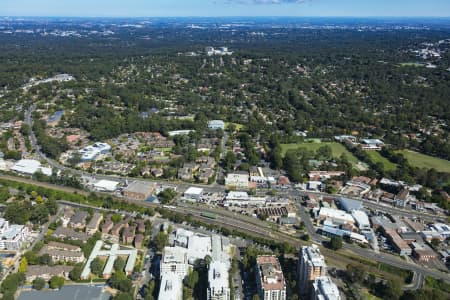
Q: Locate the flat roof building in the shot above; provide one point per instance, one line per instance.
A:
(139, 190)
(106, 185)
(423, 253)
(193, 194)
(29, 167)
(337, 216)
(216, 124)
(171, 287)
(362, 220)
(218, 288)
(270, 279)
(174, 260)
(237, 180)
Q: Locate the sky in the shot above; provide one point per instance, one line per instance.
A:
(214, 8)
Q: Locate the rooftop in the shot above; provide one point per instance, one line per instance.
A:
(68, 292)
(139, 187)
(325, 289)
(271, 274)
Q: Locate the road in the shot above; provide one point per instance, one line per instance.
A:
(242, 224)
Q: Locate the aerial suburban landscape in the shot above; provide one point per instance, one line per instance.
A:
(214, 154)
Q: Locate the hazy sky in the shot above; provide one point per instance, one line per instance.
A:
(161, 8)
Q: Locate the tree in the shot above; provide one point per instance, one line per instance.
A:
(336, 243)
(161, 240)
(435, 242)
(97, 266)
(75, 273)
(355, 273)
(123, 296)
(394, 289)
(56, 282)
(39, 283)
(39, 215)
(119, 264)
(23, 265)
(229, 161)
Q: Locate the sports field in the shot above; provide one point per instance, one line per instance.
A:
(336, 148)
(376, 157)
(420, 160)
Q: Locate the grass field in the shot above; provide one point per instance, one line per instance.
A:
(238, 126)
(420, 160)
(336, 148)
(411, 64)
(376, 157)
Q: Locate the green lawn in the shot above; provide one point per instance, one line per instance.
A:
(336, 148)
(411, 64)
(376, 157)
(237, 125)
(420, 160)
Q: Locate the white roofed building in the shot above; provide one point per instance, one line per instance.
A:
(171, 287)
(193, 194)
(325, 289)
(237, 180)
(106, 185)
(30, 166)
(361, 219)
(337, 216)
(12, 236)
(174, 260)
(218, 288)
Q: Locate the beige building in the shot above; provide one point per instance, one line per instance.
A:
(270, 279)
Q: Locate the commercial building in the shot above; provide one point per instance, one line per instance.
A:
(361, 219)
(106, 185)
(216, 124)
(423, 253)
(356, 237)
(92, 152)
(243, 199)
(397, 242)
(12, 236)
(111, 253)
(171, 287)
(29, 167)
(270, 279)
(237, 180)
(139, 190)
(349, 204)
(324, 289)
(311, 264)
(218, 284)
(337, 216)
(193, 194)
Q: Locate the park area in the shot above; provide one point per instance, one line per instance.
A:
(375, 157)
(336, 148)
(420, 160)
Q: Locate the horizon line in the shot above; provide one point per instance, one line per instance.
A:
(230, 16)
